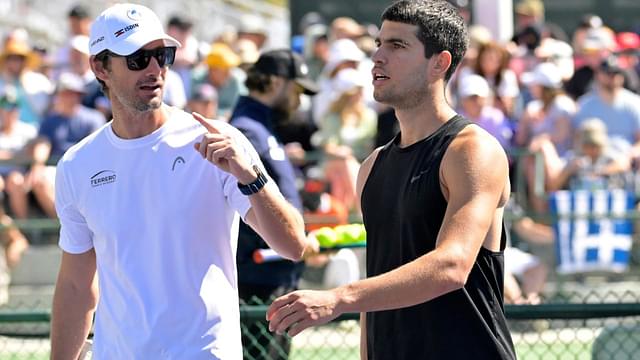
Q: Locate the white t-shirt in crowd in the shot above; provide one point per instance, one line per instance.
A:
(163, 222)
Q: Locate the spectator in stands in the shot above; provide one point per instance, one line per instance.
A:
(187, 56)
(79, 22)
(525, 277)
(204, 101)
(248, 53)
(475, 99)
(254, 28)
(551, 111)
(16, 144)
(345, 27)
(223, 73)
(492, 63)
(14, 133)
(316, 49)
(546, 123)
(78, 53)
(596, 47)
(588, 22)
(17, 61)
(594, 165)
(275, 84)
(628, 51)
(616, 106)
(343, 54)
(69, 121)
(346, 135)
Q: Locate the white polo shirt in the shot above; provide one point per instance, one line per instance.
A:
(164, 223)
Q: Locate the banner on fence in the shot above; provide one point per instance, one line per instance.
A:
(593, 232)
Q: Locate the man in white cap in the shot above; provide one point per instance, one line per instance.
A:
(150, 202)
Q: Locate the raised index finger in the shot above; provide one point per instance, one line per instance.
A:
(207, 123)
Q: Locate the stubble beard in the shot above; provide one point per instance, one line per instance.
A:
(410, 98)
(140, 104)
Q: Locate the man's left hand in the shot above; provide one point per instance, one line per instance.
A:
(221, 150)
(301, 309)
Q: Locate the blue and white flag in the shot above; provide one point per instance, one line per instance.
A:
(592, 233)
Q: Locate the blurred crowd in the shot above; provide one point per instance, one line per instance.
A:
(570, 100)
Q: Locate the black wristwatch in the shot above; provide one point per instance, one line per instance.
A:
(256, 185)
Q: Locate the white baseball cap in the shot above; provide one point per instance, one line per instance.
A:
(545, 74)
(473, 84)
(125, 28)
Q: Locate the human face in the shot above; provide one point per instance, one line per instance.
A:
(140, 90)
(609, 81)
(218, 77)
(400, 70)
(490, 62)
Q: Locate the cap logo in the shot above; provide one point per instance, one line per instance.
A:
(134, 14)
(125, 29)
(101, 38)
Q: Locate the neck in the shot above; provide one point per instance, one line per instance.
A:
(264, 98)
(128, 124)
(418, 122)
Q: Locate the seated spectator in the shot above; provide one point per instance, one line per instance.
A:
(67, 123)
(475, 96)
(616, 106)
(343, 54)
(594, 164)
(550, 113)
(525, 277)
(17, 61)
(346, 134)
(14, 133)
(204, 101)
(224, 74)
(546, 119)
(492, 63)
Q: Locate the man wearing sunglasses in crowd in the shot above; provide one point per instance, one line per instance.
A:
(149, 205)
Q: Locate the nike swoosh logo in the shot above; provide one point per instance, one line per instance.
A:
(416, 177)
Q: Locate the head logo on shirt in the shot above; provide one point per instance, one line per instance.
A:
(103, 177)
(178, 160)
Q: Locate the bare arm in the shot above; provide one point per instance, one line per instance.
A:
(271, 215)
(363, 336)
(474, 176)
(278, 222)
(74, 302)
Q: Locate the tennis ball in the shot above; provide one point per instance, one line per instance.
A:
(351, 234)
(326, 237)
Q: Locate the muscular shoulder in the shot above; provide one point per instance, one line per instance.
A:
(476, 161)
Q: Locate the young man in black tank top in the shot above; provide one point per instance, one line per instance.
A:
(432, 201)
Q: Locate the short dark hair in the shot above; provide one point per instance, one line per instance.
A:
(103, 57)
(440, 27)
(78, 12)
(180, 22)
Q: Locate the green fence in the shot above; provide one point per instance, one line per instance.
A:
(570, 325)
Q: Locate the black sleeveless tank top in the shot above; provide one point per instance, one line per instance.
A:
(403, 207)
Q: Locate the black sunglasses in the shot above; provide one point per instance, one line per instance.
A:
(140, 59)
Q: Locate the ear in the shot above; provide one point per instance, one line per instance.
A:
(440, 63)
(100, 71)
